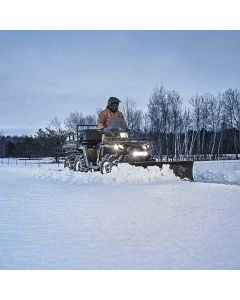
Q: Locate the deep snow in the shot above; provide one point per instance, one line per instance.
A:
(51, 218)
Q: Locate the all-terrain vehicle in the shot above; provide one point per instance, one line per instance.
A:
(86, 151)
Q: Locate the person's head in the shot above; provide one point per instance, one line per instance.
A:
(113, 104)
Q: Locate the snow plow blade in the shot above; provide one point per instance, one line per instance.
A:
(182, 169)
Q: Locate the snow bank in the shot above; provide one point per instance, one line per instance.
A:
(227, 172)
(121, 174)
(124, 173)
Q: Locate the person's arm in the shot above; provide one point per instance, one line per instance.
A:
(101, 120)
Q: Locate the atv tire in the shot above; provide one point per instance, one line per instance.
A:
(106, 167)
(80, 164)
(68, 164)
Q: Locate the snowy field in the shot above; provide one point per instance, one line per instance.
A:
(52, 218)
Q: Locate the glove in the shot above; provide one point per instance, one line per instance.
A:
(107, 132)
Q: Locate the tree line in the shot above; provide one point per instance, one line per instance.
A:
(208, 127)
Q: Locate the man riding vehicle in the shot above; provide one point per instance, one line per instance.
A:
(107, 114)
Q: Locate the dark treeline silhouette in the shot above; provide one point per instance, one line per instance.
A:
(208, 129)
(46, 142)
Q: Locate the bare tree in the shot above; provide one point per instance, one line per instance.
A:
(175, 119)
(78, 118)
(197, 103)
(186, 130)
(155, 108)
(146, 127)
(158, 111)
(231, 106)
(132, 115)
(215, 110)
(1, 143)
(90, 120)
(56, 125)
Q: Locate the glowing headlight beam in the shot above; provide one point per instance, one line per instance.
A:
(123, 135)
(140, 153)
(118, 146)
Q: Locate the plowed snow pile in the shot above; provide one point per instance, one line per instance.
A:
(226, 172)
(120, 174)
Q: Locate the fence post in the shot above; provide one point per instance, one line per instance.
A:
(38, 163)
(25, 162)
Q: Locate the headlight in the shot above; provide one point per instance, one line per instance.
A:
(140, 153)
(145, 147)
(123, 135)
(118, 146)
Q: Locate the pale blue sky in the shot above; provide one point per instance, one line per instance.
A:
(52, 73)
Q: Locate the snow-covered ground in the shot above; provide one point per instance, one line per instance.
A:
(227, 172)
(51, 218)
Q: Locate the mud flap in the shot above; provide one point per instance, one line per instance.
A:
(182, 169)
